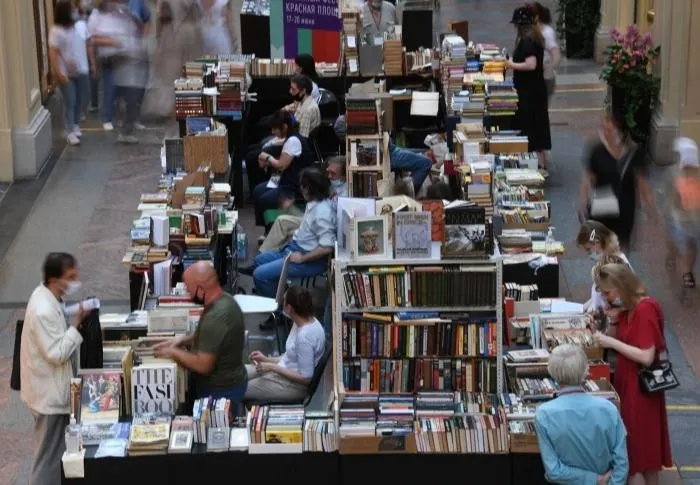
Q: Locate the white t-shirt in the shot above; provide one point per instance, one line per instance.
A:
(550, 42)
(80, 47)
(292, 146)
(598, 301)
(315, 92)
(105, 25)
(62, 39)
(304, 348)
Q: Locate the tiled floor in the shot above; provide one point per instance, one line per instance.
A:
(85, 205)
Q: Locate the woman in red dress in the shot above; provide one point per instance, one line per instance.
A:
(638, 339)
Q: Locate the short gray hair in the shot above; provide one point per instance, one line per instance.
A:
(568, 365)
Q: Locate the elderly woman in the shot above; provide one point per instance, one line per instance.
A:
(581, 437)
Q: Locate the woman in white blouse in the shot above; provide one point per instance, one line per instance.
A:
(552, 54)
(287, 378)
(602, 246)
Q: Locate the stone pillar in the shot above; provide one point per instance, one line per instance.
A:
(25, 125)
(675, 27)
(236, 6)
(690, 102)
(614, 14)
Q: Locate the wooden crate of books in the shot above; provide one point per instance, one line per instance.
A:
(583, 337)
(370, 445)
(206, 151)
(508, 147)
(524, 443)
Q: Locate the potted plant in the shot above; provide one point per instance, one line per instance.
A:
(577, 22)
(633, 86)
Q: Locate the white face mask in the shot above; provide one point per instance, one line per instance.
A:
(73, 287)
(377, 4)
(596, 256)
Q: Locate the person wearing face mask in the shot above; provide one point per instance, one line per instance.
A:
(306, 112)
(602, 247)
(286, 378)
(284, 226)
(638, 339)
(378, 18)
(214, 352)
(49, 343)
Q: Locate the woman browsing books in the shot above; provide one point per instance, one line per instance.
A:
(638, 339)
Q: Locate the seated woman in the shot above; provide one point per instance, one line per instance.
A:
(294, 157)
(602, 246)
(286, 378)
(310, 245)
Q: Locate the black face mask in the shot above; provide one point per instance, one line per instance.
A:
(298, 97)
(198, 300)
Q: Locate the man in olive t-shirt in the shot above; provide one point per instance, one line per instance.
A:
(216, 355)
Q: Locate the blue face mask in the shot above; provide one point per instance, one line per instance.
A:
(617, 303)
(337, 184)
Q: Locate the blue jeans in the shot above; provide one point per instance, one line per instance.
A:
(419, 165)
(268, 268)
(109, 93)
(94, 91)
(264, 199)
(234, 395)
(73, 92)
(132, 99)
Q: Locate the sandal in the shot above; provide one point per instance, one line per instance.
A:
(688, 280)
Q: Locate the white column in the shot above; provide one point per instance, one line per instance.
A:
(690, 97)
(28, 122)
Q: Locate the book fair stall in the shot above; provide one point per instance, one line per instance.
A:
(441, 326)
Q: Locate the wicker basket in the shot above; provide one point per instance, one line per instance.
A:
(206, 151)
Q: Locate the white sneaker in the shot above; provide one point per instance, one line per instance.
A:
(127, 139)
(73, 139)
(108, 126)
(139, 126)
(77, 132)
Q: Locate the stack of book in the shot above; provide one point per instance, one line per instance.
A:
(454, 51)
(432, 404)
(320, 433)
(488, 52)
(194, 70)
(272, 67)
(393, 57)
(420, 60)
(358, 415)
(181, 435)
(276, 424)
(351, 31)
(149, 435)
(362, 117)
(229, 101)
(502, 99)
(219, 193)
(480, 187)
(395, 415)
(195, 198)
(188, 97)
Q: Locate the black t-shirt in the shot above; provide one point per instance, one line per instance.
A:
(609, 172)
(528, 47)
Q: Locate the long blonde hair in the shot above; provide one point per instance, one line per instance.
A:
(621, 278)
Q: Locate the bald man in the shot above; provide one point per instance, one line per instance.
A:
(215, 355)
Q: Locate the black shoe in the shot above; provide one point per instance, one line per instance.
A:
(268, 324)
(246, 270)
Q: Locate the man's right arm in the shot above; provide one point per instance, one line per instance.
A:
(555, 470)
(56, 343)
(620, 462)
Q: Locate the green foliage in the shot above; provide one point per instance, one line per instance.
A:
(628, 62)
(578, 17)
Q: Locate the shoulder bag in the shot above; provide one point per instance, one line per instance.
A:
(658, 377)
(604, 203)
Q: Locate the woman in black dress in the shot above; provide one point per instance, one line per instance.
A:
(528, 76)
(616, 167)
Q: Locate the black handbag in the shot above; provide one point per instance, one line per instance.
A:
(658, 377)
(15, 381)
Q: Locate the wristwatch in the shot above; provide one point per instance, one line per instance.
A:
(267, 158)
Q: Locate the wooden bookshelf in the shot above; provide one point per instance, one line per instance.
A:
(475, 351)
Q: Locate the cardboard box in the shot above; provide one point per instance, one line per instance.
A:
(382, 445)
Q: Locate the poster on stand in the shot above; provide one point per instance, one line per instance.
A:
(305, 27)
